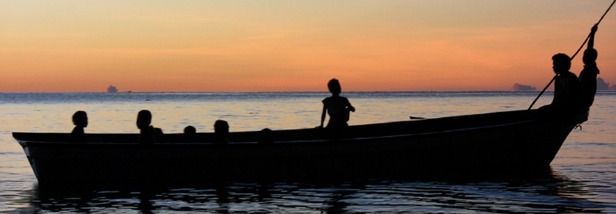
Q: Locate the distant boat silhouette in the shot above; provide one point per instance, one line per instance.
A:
(112, 89)
(522, 87)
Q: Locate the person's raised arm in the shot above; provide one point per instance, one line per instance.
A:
(590, 54)
(591, 40)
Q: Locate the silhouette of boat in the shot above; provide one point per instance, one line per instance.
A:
(490, 142)
(112, 89)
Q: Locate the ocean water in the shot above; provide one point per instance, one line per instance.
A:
(582, 177)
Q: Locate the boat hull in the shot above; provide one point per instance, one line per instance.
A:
(493, 148)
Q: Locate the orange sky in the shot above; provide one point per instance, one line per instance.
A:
(83, 46)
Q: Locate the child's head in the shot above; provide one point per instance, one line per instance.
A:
(334, 86)
(80, 118)
(144, 118)
(561, 63)
(190, 130)
(221, 127)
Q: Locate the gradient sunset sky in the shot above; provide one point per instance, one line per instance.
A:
(194, 46)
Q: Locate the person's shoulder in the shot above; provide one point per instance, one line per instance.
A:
(77, 131)
(572, 80)
(570, 74)
(343, 99)
(590, 68)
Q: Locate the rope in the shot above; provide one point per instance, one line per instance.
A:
(588, 37)
(575, 54)
(546, 88)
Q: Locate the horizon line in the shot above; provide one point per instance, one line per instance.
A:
(299, 91)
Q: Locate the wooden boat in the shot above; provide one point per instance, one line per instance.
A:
(490, 142)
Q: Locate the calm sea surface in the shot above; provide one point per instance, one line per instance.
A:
(582, 179)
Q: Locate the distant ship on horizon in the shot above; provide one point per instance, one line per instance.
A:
(112, 89)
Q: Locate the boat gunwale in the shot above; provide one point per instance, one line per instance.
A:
(281, 142)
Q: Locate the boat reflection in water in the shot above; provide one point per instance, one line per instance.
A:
(538, 192)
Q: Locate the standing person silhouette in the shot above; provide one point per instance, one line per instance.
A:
(588, 76)
(337, 107)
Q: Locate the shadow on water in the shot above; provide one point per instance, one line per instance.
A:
(537, 192)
